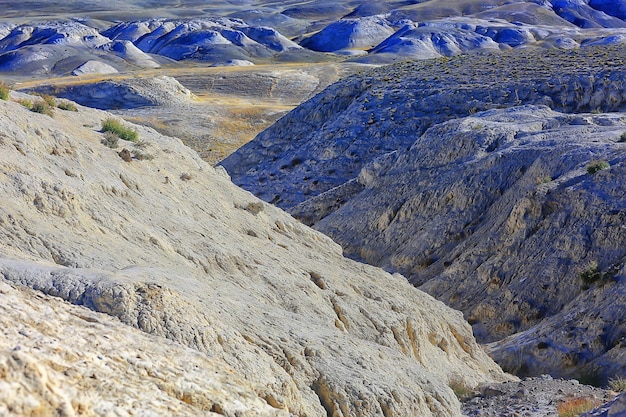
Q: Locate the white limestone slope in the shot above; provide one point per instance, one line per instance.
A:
(169, 245)
(60, 359)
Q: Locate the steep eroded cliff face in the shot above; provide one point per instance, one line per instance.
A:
(492, 182)
(149, 233)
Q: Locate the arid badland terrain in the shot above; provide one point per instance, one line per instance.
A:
(430, 220)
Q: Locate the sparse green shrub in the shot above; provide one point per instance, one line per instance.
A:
(591, 274)
(113, 126)
(617, 384)
(37, 106)
(42, 107)
(26, 103)
(48, 99)
(4, 91)
(599, 165)
(622, 138)
(67, 106)
(110, 140)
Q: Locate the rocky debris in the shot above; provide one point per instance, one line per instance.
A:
(61, 359)
(530, 397)
(126, 93)
(168, 245)
(508, 215)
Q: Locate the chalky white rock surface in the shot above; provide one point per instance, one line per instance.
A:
(168, 245)
(61, 359)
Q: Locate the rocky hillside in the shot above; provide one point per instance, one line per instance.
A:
(326, 141)
(512, 215)
(150, 234)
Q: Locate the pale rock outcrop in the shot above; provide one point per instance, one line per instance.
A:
(218, 40)
(363, 33)
(589, 13)
(615, 8)
(60, 359)
(168, 245)
(94, 67)
(125, 93)
(129, 52)
(60, 47)
(433, 41)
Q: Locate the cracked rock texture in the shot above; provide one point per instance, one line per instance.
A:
(60, 359)
(168, 245)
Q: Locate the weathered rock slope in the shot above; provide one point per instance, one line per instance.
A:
(168, 245)
(495, 213)
(60, 359)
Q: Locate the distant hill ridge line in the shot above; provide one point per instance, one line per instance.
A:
(389, 35)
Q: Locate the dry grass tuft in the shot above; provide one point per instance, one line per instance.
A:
(617, 384)
(4, 91)
(572, 407)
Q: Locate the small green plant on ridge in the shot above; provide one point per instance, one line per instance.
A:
(37, 106)
(595, 166)
(123, 132)
(4, 91)
(67, 106)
